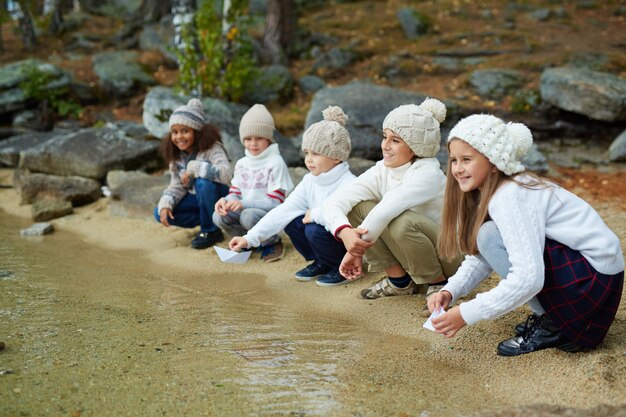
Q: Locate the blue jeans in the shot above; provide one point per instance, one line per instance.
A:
(197, 209)
(314, 242)
(492, 252)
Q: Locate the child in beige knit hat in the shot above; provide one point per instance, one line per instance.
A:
(326, 145)
(260, 183)
(390, 214)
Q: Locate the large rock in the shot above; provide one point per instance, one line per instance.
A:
(366, 105)
(273, 84)
(496, 83)
(134, 193)
(77, 190)
(89, 153)
(11, 75)
(159, 37)
(10, 149)
(598, 95)
(120, 74)
(617, 150)
(160, 102)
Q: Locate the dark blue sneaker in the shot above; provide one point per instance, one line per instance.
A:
(330, 279)
(311, 271)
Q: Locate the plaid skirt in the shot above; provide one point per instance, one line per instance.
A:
(578, 299)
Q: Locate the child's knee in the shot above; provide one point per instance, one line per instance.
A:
(488, 235)
(250, 217)
(157, 215)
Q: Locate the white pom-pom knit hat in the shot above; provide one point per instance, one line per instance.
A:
(504, 144)
(418, 126)
(190, 115)
(329, 137)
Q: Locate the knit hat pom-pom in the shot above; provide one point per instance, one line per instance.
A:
(522, 136)
(335, 114)
(436, 107)
(195, 104)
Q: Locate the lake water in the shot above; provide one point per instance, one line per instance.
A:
(94, 332)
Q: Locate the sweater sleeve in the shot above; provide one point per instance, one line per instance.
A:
(522, 227)
(174, 192)
(423, 185)
(279, 217)
(213, 165)
(336, 208)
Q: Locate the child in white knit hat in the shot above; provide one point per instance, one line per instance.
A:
(326, 145)
(551, 249)
(200, 174)
(390, 214)
(260, 183)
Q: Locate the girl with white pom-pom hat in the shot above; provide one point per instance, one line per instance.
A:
(551, 248)
(327, 146)
(390, 214)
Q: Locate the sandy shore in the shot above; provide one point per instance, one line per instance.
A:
(548, 377)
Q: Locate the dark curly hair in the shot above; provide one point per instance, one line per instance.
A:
(204, 139)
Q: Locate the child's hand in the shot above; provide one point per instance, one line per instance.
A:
(234, 205)
(164, 215)
(351, 266)
(449, 323)
(441, 299)
(185, 179)
(307, 217)
(220, 207)
(238, 243)
(351, 239)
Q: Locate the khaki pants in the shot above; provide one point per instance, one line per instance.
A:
(409, 240)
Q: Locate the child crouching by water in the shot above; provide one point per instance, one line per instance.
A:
(200, 174)
(551, 248)
(260, 183)
(326, 145)
(390, 214)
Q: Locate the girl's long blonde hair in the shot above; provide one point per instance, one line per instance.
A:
(465, 212)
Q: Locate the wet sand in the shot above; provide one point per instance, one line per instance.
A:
(142, 325)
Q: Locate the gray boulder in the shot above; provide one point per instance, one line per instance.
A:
(135, 194)
(160, 102)
(37, 229)
(311, 83)
(598, 95)
(50, 208)
(77, 190)
(334, 60)
(159, 37)
(120, 74)
(413, 23)
(273, 84)
(10, 149)
(617, 150)
(366, 105)
(496, 83)
(89, 153)
(11, 75)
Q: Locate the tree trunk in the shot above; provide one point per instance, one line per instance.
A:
(280, 29)
(183, 16)
(4, 16)
(25, 23)
(153, 10)
(55, 9)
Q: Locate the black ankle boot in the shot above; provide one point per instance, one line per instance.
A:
(538, 333)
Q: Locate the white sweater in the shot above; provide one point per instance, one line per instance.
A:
(417, 186)
(525, 218)
(309, 194)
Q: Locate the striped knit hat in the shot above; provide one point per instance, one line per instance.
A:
(190, 115)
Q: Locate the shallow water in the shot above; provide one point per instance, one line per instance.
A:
(100, 332)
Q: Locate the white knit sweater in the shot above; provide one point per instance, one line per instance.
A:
(525, 218)
(308, 195)
(417, 186)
